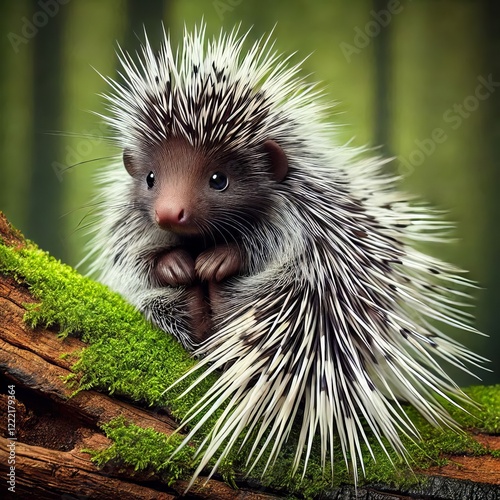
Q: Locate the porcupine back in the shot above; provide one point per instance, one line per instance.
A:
(335, 322)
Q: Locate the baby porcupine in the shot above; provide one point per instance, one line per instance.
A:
(284, 260)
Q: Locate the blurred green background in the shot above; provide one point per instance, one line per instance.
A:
(417, 78)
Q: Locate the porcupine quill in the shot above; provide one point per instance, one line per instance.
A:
(281, 259)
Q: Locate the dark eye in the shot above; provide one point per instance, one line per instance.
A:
(150, 179)
(219, 181)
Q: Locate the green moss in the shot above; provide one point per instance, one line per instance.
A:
(485, 418)
(126, 355)
(129, 357)
(144, 450)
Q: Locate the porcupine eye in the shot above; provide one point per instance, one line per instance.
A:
(219, 181)
(150, 180)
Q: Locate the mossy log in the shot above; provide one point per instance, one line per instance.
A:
(85, 414)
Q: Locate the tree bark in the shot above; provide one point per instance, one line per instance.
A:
(52, 427)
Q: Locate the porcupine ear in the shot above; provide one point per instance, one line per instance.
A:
(128, 161)
(277, 160)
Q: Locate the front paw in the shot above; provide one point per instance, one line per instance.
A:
(175, 268)
(219, 263)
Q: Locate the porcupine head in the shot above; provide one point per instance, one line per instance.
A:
(205, 197)
(238, 206)
(204, 170)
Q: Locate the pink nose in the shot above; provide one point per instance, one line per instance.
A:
(167, 216)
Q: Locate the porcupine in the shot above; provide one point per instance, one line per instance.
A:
(284, 260)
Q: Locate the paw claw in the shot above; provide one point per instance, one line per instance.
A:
(219, 263)
(175, 268)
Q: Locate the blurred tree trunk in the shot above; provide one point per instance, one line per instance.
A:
(149, 16)
(44, 199)
(383, 81)
(489, 171)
